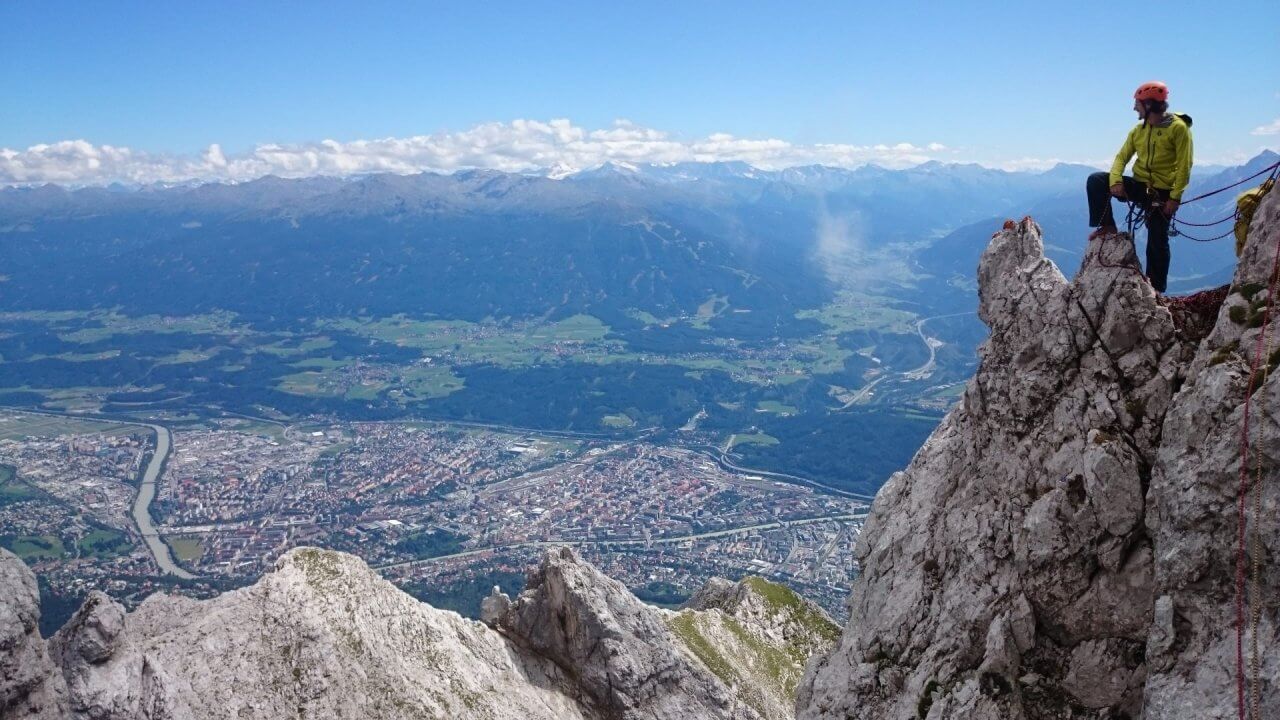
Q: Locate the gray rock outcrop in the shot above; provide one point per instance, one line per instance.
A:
(324, 636)
(1063, 545)
(321, 636)
(30, 685)
(757, 636)
(1192, 506)
(618, 651)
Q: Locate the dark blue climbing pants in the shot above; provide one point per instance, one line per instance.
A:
(1098, 189)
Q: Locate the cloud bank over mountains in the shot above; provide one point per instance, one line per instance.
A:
(557, 148)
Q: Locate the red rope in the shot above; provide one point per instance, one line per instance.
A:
(1244, 483)
(1263, 171)
(1178, 233)
(1232, 216)
(1202, 301)
(1174, 223)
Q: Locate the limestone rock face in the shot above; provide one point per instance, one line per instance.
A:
(321, 636)
(89, 640)
(325, 636)
(1063, 545)
(618, 651)
(1192, 510)
(30, 685)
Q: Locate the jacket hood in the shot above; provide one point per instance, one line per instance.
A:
(1169, 117)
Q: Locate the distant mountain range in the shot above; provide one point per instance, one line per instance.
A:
(484, 244)
(487, 244)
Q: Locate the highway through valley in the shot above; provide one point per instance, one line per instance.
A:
(630, 542)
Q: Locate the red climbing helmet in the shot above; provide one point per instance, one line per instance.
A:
(1154, 90)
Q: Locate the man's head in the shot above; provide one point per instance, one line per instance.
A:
(1151, 98)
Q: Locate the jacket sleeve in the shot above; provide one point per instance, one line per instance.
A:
(1182, 172)
(1122, 159)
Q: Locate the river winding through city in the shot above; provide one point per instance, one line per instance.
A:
(141, 509)
(142, 505)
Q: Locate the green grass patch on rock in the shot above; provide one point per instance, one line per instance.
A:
(685, 626)
(783, 599)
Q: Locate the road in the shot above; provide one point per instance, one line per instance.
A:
(933, 344)
(141, 509)
(919, 373)
(655, 541)
(724, 462)
(517, 430)
(863, 392)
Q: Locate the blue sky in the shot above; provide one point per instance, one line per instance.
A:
(993, 84)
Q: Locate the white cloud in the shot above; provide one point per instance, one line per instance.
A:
(517, 146)
(1271, 128)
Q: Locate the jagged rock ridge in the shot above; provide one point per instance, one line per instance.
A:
(324, 636)
(1063, 546)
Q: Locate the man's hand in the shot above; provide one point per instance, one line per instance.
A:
(1170, 207)
(1117, 191)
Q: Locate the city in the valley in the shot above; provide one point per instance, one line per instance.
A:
(444, 510)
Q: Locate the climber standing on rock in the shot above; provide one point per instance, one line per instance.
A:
(1162, 142)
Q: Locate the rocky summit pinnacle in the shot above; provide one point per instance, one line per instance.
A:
(323, 636)
(1064, 544)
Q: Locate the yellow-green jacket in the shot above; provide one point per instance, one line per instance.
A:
(1164, 154)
